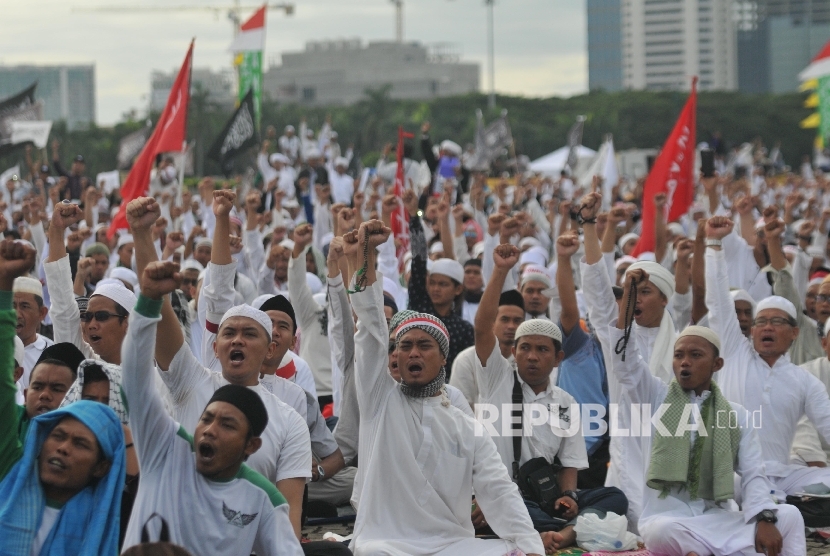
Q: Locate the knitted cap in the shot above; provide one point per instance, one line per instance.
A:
(702, 332)
(539, 327)
(429, 324)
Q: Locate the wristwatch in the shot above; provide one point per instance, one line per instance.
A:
(572, 495)
(320, 472)
(768, 516)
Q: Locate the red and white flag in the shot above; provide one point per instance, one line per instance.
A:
(672, 174)
(251, 34)
(400, 220)
(168, 136)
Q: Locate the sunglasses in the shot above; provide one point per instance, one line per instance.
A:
(392, 346)
(100, 316)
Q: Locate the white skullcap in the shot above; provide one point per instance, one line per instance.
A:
(436, 247)
(314, 282)
(249, 312)
(626, 238)
(535, 256)
(777, 302)
(19, 351)
(539, 327)
(24, 284)
(333, 134)
(815, 281)
(451, 147)
(529, 242)
(289, 128)
(625, 259)
(125, 274)
(536, 273)
(124, 240)
(341, 161)
(192, 264)
(279, 157)
(647, 256)
(743, 295)
(448, 267)
(701, 332)
(313, 153)
(676, 229)
(291, 202)
(204, 242)
(657, 275)
(791, 249)
(478, 249)
(287, 243)
(118, 292)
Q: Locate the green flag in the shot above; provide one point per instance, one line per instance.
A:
(249, 71)
(824, 107)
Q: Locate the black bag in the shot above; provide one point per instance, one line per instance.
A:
(538, 480)
(816, 511)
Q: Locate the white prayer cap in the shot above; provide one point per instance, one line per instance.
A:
(625, 259)
(313, 153)
(288, 243)
(527, 242)
(478, 249)
(436, 247)
(333, 134)
(448, 267)
(536, 273)
(125, 274)
(341, 161)
(539, 327)
(314, 283)
(289, 128)
(815, 281)
(249, 312)
(815, 251)
(19, 351)
(657, 275)
(24, 284)
(98, 228)
(291, 202)
(204, 242)
(534, 255)
(124, 240)
(701, 332)
(676, 229)
(309, 133)
(451, 147)
(192, 264)
(791, 249)
(743, 295)
(647, 256)
(278, 157)
(777, 302)
(117, 291)
(626, 238)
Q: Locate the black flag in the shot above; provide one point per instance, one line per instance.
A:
(239, 134)
(130, 145)
(17, 102)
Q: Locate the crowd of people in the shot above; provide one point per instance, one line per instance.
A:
(250, 354)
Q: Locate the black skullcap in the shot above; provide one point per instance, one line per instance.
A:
(618, 292)
(280, 303)
(245, 400)
(512, 297)
(473, 262)
(65, 352)
(388, 301)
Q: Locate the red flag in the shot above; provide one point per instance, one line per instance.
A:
(400, 221)
(168, 136)
(672, 174)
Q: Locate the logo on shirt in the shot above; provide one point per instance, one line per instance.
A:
(237, 519)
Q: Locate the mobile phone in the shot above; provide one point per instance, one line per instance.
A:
(707, 162)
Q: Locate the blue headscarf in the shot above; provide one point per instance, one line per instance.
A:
(88, 524)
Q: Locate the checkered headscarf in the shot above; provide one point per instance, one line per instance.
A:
(429, 324)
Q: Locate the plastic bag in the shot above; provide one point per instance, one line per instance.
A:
(609, 533)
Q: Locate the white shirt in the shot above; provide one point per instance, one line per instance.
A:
(50, 516)
(744, 272)
(783, 392)
(342, 187)
(428, 456)
(561, 434)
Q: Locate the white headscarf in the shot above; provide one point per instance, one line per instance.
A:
(662, 353)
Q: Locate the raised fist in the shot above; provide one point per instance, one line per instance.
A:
(142, 213)
(160, 278)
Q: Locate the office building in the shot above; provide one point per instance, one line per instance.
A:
(218, 85)
(67, 91)
(339, 72)
(605, 45)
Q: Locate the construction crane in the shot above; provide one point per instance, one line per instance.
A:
(398, 20)
(233, 11)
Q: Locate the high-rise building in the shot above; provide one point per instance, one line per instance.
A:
(67, 91)
(339, 72)
(605, 69)
(666, 42)
(217, 84)
(776, 40)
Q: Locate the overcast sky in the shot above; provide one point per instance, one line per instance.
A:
(540, 44)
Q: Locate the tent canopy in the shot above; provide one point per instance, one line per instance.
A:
(552, 164)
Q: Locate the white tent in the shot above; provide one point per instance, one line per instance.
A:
(553, 163)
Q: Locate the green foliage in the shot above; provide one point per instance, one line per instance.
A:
(637, 119)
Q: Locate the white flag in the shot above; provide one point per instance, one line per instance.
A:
(604, 165)
(35, 131)
(108, 181)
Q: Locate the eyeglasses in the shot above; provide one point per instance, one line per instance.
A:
(392, 346)
(775, 321)
(822, 298)
(100, 316)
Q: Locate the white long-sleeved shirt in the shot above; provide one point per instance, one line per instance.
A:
(243, 515)
(66, 317)
(428, 455)
(744, 272)
(782, 392)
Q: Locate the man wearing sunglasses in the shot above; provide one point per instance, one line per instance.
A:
(100, 330)
(758, 373)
